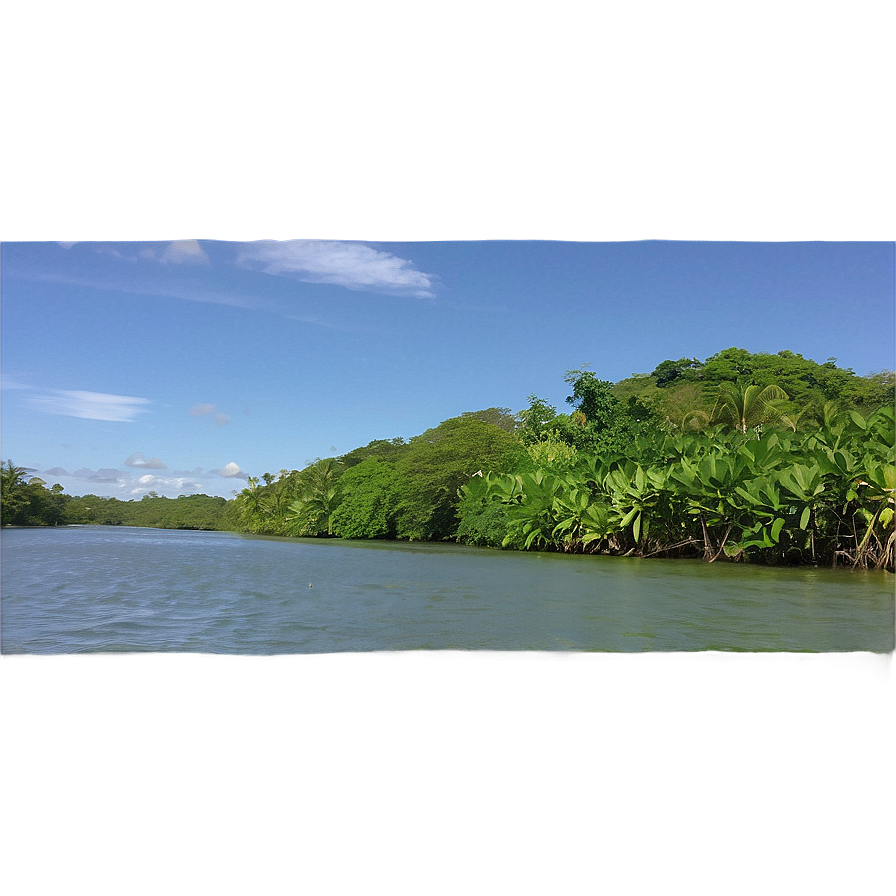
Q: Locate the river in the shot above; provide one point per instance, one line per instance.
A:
(192, 712)
(83, 589)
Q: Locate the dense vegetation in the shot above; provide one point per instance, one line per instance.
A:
(766, 458)
(28, 502)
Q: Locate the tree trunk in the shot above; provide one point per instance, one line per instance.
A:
(707, 541)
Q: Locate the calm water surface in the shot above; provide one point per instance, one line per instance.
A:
(125, 589)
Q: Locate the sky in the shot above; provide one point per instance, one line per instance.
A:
(225, 355)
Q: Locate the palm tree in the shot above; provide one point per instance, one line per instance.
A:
(749, 407)
(319, 497)
(11, 477)
(12, 494)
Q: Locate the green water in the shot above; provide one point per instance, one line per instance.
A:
(126, 589)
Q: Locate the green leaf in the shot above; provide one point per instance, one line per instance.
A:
(804, 519)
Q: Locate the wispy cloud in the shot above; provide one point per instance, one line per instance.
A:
(352, 265)
(7, 383)
(90, 405)
(139, 461)
(184, 252)
(210, 410)
(149, 288)
(104, 474)
(177, 252)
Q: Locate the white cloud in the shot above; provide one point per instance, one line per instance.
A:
(108, 482)
(352, 265)
(150, 483)
(66, 245)
(230, 471)
(91, 405)
(221, 419)
(139, 460)
(184, 252)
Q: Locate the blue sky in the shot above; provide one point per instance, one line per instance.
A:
(206, 210)
(182, 367)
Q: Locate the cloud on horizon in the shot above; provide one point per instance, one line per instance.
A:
(230, 471)
(184, 252)
(108, 482)
(104, 474)
(139, 460)
(176, 252)
(90, 405)
(352, 265)
(149, 483)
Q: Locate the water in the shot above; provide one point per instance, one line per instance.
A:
(125, 589)
(438, 720)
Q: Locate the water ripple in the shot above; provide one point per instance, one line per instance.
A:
(130, 590)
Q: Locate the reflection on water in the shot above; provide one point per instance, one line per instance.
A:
(447, 773)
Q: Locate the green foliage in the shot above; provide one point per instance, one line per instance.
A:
(552, 453)
(533, 421)
(389, 489)
(370, 491)
(383, 449)
(483, 521)
(748, 407)
(26, 501)
(683, 370)
(593, 398)
(503, 418)
(775, 496)
(808, 384)
(312, 512)
(438, 462)
(183, 512)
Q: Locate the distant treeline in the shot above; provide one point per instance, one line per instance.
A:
(29, 502)
(767, 458)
